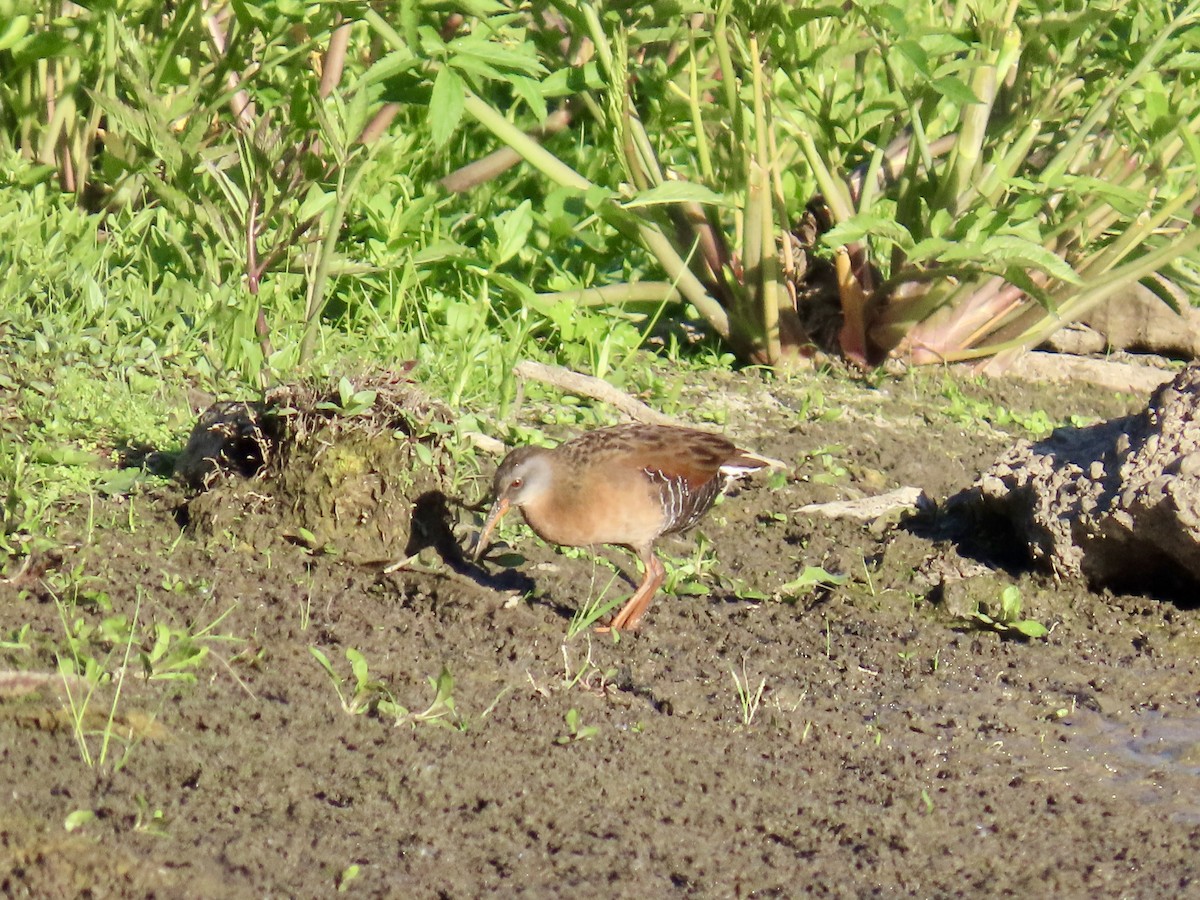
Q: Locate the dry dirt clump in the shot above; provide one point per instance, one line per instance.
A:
(318, 465)
(1117, 503)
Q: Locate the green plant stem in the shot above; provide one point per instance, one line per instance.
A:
(531, 151)
(616, 294)
(112, 710)
(604, 201)
(703, 156)
(316, 292)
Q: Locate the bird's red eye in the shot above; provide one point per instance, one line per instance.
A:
(516, 482)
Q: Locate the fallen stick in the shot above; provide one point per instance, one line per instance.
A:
(597, 389)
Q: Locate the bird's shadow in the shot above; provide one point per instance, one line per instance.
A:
(433, 527)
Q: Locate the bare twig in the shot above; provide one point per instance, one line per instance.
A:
(867, 509)
(379, 124)
(18, 684)
(505, 158)
(335, 59)
(486, 443)
(240, 103)
(597, 389)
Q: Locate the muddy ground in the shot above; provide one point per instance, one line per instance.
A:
(896, 750)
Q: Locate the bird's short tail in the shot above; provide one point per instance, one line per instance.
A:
(747, 461)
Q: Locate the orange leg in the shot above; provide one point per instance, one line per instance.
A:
(631, 613)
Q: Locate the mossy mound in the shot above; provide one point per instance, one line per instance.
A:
(315, 464)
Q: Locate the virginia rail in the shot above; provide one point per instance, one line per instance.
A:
(625, 485)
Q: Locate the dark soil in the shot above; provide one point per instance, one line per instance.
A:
(896, 750)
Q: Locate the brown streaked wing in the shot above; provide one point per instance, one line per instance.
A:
(685, 473)
(695, 455)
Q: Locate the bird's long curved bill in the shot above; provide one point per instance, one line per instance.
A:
(499, 508)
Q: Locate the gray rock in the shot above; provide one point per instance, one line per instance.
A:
(1118, 503)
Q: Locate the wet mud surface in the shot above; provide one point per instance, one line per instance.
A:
(894, 750)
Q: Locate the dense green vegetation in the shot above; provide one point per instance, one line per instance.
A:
(228, 195)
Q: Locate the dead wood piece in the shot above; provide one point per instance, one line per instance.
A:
(597, 389)
(868, 509)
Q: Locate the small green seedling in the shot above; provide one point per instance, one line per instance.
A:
(346, 877)
(302, 537)
(149, 821)
(77, 819)
(748, 700)
(811, 577)
(350, 402)
(689, 576)
(588, 676)
(575, 731)
(365, 695)
(1007, 621)
(173, 655)
(18, 639)
(926, 801)
(441, 711)
(828, 458)
(593, 609)
(80, 663)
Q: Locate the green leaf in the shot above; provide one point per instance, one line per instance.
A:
(78, 819)
(358, 665)
(1155, 99)
(1030, 628)
(913, 52)
(812, 576)
(43, 45)
(518, 288)
(1019, 278)
(1012, 250)
(474, 53)
(928, 249)
(1124, 200)
(530, 91)
(675, 192)
(446, 250)
(955, 90)
(63, 455)
(316, 202)
(867, 225)
(471, 65)
(443, 685)
(445, 105)
(391, 66)
(1010, 602)
(323, 660)
(512, 231)
(1193, 145)
(573, 80)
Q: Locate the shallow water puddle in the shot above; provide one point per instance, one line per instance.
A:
(1153, 759)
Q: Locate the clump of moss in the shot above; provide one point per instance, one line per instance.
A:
(337, 467)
